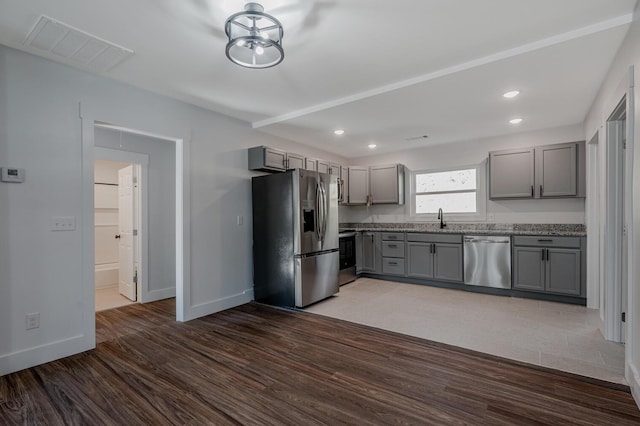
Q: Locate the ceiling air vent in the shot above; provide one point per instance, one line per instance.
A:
(74, 46)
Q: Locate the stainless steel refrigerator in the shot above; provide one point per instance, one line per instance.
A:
(295, 237)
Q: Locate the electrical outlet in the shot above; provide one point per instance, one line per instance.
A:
(33, 320)
(63, 223)
(240, 220)
(491, 217)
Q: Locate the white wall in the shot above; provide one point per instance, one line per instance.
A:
(42, 271)
(469, 153)
(161, 187)
(628, 55)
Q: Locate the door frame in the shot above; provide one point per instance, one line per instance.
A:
(594, 290)
(132, 121)
(613, 223)
(141, 161)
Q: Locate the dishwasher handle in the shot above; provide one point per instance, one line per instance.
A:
(484, 241)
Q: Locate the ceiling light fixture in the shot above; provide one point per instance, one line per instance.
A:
(339, 132)
(255, 38)
(372, 145)
(515, 121)
(511, 94)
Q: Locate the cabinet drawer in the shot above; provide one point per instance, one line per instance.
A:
(392, 249)
(547, 241)
(393, 236)
(392, 266)
(435, 238)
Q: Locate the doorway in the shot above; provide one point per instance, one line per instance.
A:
(117, 216)
(152, 274)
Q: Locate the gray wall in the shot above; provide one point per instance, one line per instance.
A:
(42, 271)
(161, 187)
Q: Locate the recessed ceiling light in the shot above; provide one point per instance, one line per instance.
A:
(515, 121)
(339, 132)
(372, 145)
(511, 94)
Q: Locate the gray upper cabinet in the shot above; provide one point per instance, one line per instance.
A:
(335, 170)
(549, 171)
(344, 182)
(387, 184)
(556, 170)
(311, 164)
(358, 184)
(323, 166)
(295, 161)
(267, 159)
(511, 173)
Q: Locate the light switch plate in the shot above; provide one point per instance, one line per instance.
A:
(63, 223)
(12, 175)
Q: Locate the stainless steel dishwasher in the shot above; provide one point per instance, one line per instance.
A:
(487, 261)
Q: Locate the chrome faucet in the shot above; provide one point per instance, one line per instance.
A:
(441, 218)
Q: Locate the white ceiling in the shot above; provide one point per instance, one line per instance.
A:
(384, 71)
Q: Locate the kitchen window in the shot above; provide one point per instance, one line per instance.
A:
(459, 192)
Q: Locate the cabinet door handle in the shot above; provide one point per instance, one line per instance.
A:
(531, 191)
(541, 190)
(393, 263)
(545, 241)
(547, 255)
(435, 249)
(542, 255)
(392, 245)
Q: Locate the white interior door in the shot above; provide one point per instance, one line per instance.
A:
(126, 252)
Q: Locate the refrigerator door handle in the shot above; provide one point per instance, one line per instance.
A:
(317, 211)
(325, 206)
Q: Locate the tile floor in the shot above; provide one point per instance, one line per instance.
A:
(556, 335)
(109, 298)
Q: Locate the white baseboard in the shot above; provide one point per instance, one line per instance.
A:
(31, 357)
(208, 308)
(633, 378)
(106, 278)
(161, 294)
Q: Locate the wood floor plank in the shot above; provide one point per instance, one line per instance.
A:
(258, 365)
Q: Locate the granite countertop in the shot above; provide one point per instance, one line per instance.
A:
(572, 230)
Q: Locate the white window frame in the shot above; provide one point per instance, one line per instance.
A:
(481, 196)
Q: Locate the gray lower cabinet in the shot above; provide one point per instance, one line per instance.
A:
(393, 253)
(420, 260)
(439, 261)
(546, 266)
(371, 253)
(447, 262)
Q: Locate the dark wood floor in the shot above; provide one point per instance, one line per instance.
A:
(258, 365)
